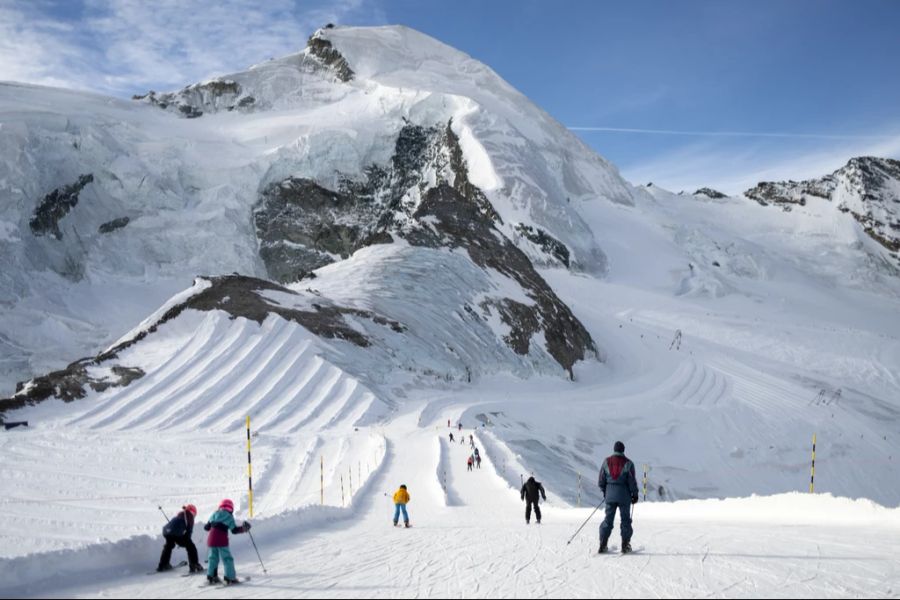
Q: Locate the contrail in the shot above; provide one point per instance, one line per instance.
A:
(814, 136)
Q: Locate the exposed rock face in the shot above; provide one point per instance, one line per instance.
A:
(781, 194)
(70, 384)
(547, 243)
(320, 59)
(193, 100)
(710, 193)
(425, 197)
(868, 188)
(330, 57)
(111, 226)
(447, 220)
(236, 295)
(241, 296)
(303, 226)
(57, 205)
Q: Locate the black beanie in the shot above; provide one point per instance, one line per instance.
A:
(619, 447)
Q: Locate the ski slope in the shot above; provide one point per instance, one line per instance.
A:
(469, 540)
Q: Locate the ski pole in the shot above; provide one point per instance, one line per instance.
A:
(257, 553)
(164, 513)
(586, 521)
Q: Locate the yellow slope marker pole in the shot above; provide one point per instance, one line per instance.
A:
(249, 469)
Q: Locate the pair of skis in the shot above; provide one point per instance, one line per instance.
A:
(222, 583)
(614, 550)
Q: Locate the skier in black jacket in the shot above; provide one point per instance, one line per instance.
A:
(178, 532)
(530, 492)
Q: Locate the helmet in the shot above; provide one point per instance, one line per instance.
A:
(190, 508)
(227, 504)
(403, 487)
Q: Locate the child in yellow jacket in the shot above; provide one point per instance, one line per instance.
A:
(401, 499)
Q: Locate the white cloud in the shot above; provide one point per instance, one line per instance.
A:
(127, 46)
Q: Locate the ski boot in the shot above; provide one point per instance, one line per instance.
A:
(406, 524)
(395, 523)
(230, 581)
(164, 568)
(213, 579)
(626, 547)
(603, 548)
(198, 568)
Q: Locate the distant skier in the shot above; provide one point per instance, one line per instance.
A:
(620, 490)
(470, 462)
(218, 526)
(401, 499)
(531, 490)
(477, 462)
(178, 532)
(451, 437)
(448, 422)
(459, 425)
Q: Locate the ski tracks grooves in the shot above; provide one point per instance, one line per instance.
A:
(760, 390)
(122, 401)
(229, 368)
(697, 385)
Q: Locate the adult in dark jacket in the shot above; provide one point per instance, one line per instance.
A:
(178, 532)
(620, 490)
(530, 492)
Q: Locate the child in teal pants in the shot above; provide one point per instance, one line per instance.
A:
(218, 526)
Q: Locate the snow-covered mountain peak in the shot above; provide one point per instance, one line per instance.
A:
(867, 189)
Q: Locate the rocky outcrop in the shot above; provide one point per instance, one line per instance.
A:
(333, 60)
(447, 220)
(57, 205)
(303, 226)
(782, 194)
(69, 384)
(194, 100)
(111, 226)
(547, 243)
(867, 188)
(710, 193)
(320, 59)
(425, 197)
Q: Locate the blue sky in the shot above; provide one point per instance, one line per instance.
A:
(684, 93)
